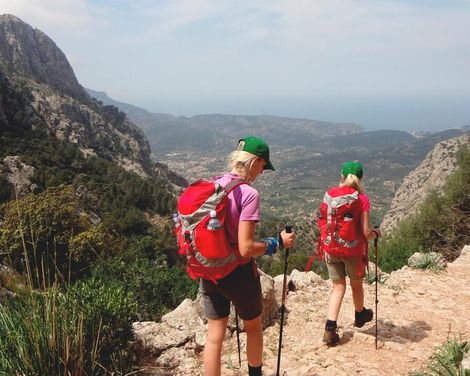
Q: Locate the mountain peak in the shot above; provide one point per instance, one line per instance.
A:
(9, 18)
(30, 52)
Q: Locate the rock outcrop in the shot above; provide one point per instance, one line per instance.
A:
(19, 174)
(417, 311)
(431, 174)
(172, 346)
(32, 53)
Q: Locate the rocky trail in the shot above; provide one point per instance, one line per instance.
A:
(418, 310)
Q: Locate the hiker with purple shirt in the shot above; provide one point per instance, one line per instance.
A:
(242, 287)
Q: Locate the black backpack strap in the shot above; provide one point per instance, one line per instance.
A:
(231, 185)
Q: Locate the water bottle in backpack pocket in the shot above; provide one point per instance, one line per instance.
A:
(347, 224)
(202, 209)
(209, 236)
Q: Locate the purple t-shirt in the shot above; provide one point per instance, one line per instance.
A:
(243, 204)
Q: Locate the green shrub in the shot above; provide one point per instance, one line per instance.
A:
(157, 289)
(394, 252)
(429, 261)
(447, 360)
(37, 233)
(108, 311)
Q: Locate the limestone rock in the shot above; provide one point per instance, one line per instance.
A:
(278, 286)
(184, 317)
(19, 174)
(32, 53)
(270, 305)
(304, 280)
(157, 337)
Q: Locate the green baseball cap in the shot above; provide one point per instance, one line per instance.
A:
(352, 167)
(258, 147)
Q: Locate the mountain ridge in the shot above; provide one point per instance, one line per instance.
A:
(50, 99)
(218, 131)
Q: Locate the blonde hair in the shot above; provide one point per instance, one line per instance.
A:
(352, 181)
(241, 161)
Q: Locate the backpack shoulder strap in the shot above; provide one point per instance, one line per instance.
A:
(231, 185)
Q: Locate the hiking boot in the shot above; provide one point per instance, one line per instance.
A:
(362, 317)
(331, 337)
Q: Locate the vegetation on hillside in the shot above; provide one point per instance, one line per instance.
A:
(89, 260)
(441, 223)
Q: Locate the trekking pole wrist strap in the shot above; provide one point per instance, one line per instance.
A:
(376, 234)
(272, 244)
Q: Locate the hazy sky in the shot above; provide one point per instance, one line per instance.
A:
(384, 64)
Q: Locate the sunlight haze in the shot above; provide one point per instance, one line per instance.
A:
(382, 64)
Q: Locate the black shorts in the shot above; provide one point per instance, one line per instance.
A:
(242, 287)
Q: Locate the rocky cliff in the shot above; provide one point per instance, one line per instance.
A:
(431, 174)
(40, 91)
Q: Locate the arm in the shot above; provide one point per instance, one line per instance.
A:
(249, 247)
(247, 244)
(369, 234)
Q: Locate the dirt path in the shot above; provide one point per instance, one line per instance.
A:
(418, 310)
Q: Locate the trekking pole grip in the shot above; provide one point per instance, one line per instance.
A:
(289, 229)
(376, 239)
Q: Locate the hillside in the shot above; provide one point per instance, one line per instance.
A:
(84, 219)
(215, 133)
(430, 175)
(306, 154)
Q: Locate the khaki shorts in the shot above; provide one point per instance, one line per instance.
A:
(339, 267)
(242, 287)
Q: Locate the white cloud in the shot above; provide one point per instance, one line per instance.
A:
(263, 46)
(67, 15)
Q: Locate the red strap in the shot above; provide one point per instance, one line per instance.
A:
(231, 185)
(315, 253)
(310, 262)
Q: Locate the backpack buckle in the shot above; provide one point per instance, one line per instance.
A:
(187, 237)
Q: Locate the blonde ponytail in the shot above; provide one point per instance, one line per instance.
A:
(241, 161)
(352, 181)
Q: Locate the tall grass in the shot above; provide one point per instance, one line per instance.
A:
(41, 334)
(53, 333)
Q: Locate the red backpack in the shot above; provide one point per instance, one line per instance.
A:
(339, 222)
(204, 240)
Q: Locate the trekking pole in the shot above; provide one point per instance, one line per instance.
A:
(283, 306)
(238, 340)
(376, 242)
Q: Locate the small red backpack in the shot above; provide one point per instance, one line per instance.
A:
(340, 223)
(202, 239)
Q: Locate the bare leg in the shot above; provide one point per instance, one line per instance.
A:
(213, 347)
(357, 294)
(336, 297)
(254, 341)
